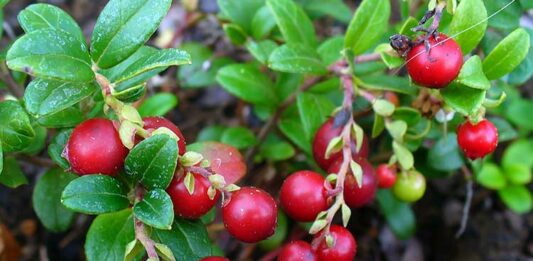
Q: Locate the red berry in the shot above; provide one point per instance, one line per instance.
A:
(153, 123)
(437, 68)
(297, 251)
(214, 258)
(386, 176)
(303, 195)
(478, 140)
(250, 215)
(322, 138)
(354, 195)
(344, 246)
(95, 147)
(392, 98)
(195, 205)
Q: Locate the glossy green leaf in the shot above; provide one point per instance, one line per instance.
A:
(240, 12)
(16, 131)
(524, 71)
(472, 16)
(409, 115)
(404, 156)
(445, 154)
(51, 54)
(44, 16)
(518, 112)
(204, 67)
(463, 99)
(292, 127)
(129, 94)
(506, 132)
(46, 200)
(472, 75)
(517, 198)
(187, 239)
(294, 24)
(277, 151)
(388, 83)
(518, 174)
(11, 175)
(211, 133)
(330, 50)
(314, 110)
(158, 104)
(400, 217)
(44, 97)
(368, 25)
(261, 50)
(508, 17)
(155, 209)
(56, 147)
(247, 82)
(519, 152)
(95, 194)
(507, 55)
(153, 161)
(491, 176)
(69, 117)
(118, 32)
(108, 236)
(296, 59)
(235, 33)
(407, 25)
(238, 137)
(334, 8)
(262, 22)
(39, 141)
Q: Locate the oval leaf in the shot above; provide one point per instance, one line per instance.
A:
(225, 159)
(472, 75)
(11, 175)
(158, 104)
(248, 83)
(15, 128)
(517, 198)
(188, 239)
(296, 59)
(95, 194)
(463, 99)
(238, 137)
(472, 16)
(108, 236)
(294, 24)
(368, 25)
(507, 55)
(155, 209)
(240, 12)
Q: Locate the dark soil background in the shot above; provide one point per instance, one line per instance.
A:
(493, 232)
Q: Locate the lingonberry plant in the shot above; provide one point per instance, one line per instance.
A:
(368, 112)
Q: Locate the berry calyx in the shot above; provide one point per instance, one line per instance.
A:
(477, 140)
(386, 175)
(214, 258)
(250, 215)
(438, 67)
(297, 251)
(324, 135)
(344, 245)
(354, 195)
(153, 123)
(94, 147)
(192, 205)
(409, 187)
(303, 195)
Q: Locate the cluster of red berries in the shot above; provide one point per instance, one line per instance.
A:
(95, 147)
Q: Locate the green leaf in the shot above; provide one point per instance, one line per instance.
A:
(378, 126)
(155, 209)
(404, 156)
(38, 143)
(445, 154)
(507, 55)
(472, 75)
(46, 200)
(292, 127)
(506, 132)
(69, 117)
(518, 174)
(123, 27)
(3, 3)
(294, 24)
(211, 133)
(296, 59)
(334, 8)
(368, 25)
(409, 115)
(44, 97)
(509, 13)
(1, 158)
(399, 215)
(44, 16)
(129, 94)
(314, 110)
(261, 50)
(388, 83)
(16, 131)
(240, 12)
(491, 176)
(238, 137)
(463, 99)
(330, 50)
(247, 82)
(472, 16)
(158, 104)
(277, 151)
(108, 236)
(524, 71)
(153, 161)
(518, 113)
(262, 23)
(187, 239)
(11, 175)
(235, 33)
(519, 152)
(517, 198)
(383, 107)
(95, 194)
(407, 25)
(51, 54)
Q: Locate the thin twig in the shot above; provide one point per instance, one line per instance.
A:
(468, 200)
(372, 57)
(11, 84)
(140, 232)
(43, 162)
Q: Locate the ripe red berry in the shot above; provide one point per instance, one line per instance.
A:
(303, 195)
(386, 176)
(195, 205)
(95, 147)
(153, 123)
(250, 215)
(477, 140)
(214, 258)
(297, 251)
(437, 68)
(324, 135)
(354, 195)
(344, 246)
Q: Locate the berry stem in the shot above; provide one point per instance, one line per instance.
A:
(13, 87)
(468, 200)
(140, 231)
